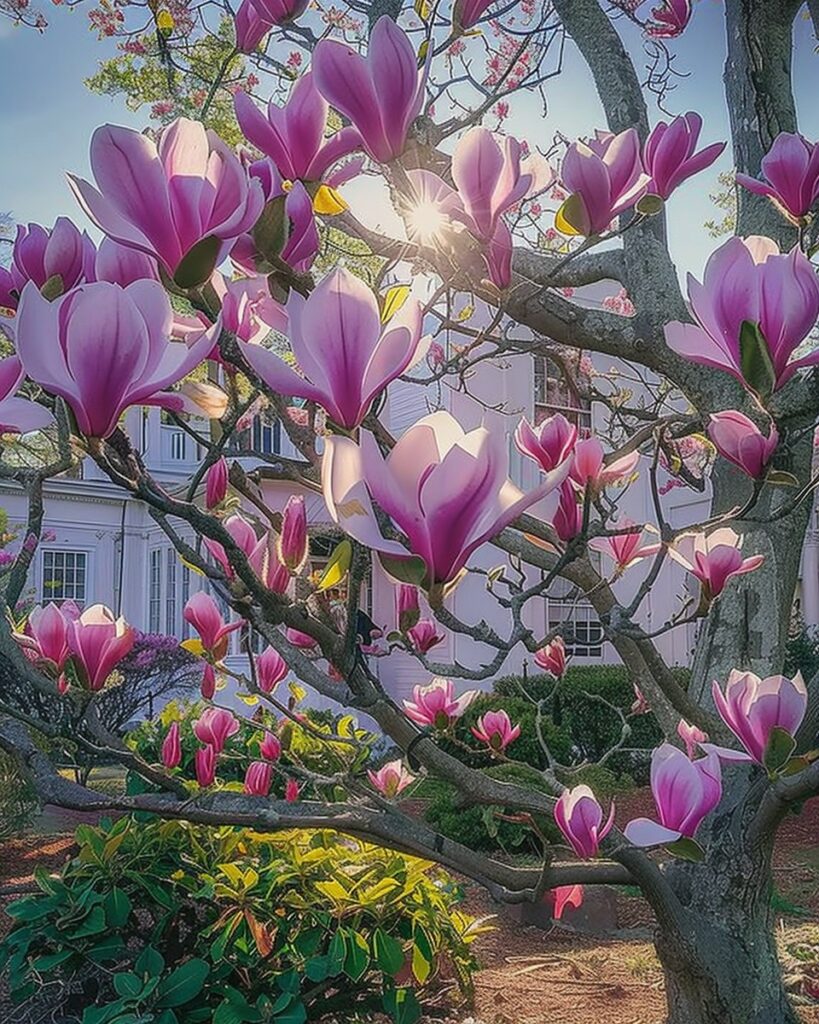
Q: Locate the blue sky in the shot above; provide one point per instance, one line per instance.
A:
(48, 115)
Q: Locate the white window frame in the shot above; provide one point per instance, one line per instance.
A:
(47, 594)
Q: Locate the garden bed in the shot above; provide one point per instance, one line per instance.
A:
(529, 975)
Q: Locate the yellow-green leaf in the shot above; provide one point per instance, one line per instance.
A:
(393, 301)
(337, 567)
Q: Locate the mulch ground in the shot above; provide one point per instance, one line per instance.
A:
(529, 975)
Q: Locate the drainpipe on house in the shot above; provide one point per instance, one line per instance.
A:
(121, 557)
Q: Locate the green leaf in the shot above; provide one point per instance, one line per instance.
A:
(150, 962)
(109, 947)
(53, 287)
(198, 263)
(781, 478)
(318, 968)
(755, 359)
(337, 952)
(294, 1014)
(128, 985)
(405, 570)
(270, 232)
(686, 849)
(337, 567)
(183, 984)
(357, 958)
(51, 960)
(93, 924)
(402, 1005)
(117, 908)
(781, 746)
(167, 1017)
(387, 951)
(571, 218)
(423, 957)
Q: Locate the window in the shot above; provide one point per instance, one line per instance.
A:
(171, 624)
(263, 436)
(64, 576)
(553, 395)
(155, 591)
(569, 612)
(178, 446)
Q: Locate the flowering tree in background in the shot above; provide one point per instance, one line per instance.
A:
(416, 99)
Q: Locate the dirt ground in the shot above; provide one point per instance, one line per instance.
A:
(531, 976)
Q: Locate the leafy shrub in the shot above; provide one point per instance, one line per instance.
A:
(802, 652)
(590, 726)
(170, 923)
(299, 746)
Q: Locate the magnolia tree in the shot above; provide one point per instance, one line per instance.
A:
(230, 281)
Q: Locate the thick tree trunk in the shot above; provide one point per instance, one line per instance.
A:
(722, 967)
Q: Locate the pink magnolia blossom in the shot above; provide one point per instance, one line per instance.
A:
(248, 309)
(552, 657)
(250, 27)
(166, 198)
(713, 558)
(18, 415)
(58, 255)
(270, 748)
(303, 641)
(293, 136)
(448, 491)
(691, 736)
(752, 708)
(172, 747)
(291, 791)
(436, 705)
(271, 668)
(203, 614)
(740, 440)
(747, 279)
(640, 705)
(293, 540)
(605, 178)
(567, 520)
(301, 244)
(424, 636)
(205, 760)
(466, 13)
(258, 778)
(407, 607)
(98, 643)
(118, 264)
(381, 93)
(488, 176)
(625, 549)
(346, 355)
(104, 348)
(216, 483)
(46, 635)
(495, 729)
(590, 469)
(280, 12)
(670, 18)
(579, 817)
(564, 896)
(215, 726)
(550, 443)
(791, 170)
(669, 153)
(684, 791)
(391, 779)
(207, 687)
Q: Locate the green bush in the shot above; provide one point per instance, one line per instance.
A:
(170, 923)
(589, 725)
(802, 652)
